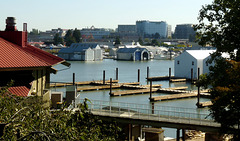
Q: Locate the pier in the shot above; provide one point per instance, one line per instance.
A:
(131, 92)
(205, 104)
(64, 84)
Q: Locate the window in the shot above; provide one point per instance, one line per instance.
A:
(206, 63)
(193, 63)
(178, 62)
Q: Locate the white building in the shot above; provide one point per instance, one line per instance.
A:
(82, 52)
(192, 59)
(133, 54)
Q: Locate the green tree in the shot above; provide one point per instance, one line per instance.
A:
(57, 39)
(77, 35)
(117, 41)
(140, 41)
(26, 119)
(219, 26)
(155, 42)
(69, 39)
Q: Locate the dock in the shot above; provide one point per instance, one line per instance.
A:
(205, 104)
(174, 90)
(178, 80)
(91, 88)
(131, 92)
(80, 83)
(173, 96)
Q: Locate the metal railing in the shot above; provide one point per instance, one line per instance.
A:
(149, 112)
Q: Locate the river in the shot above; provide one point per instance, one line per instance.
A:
(128, 72)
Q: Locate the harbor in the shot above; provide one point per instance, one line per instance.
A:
(127, 73)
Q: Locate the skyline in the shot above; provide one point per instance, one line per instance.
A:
(51, 14)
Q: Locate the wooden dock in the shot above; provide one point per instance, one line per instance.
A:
(178, 80)
(141, 86)
(174, 90)
(205, 104)
(173, 96)
(80, 83)
(131, 92)
(91, 88)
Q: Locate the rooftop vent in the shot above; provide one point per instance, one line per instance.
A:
(11, 22)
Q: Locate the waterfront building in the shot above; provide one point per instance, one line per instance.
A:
(133, 54)
(82, 52)
(184, 31)
(149, 28)
(89, 34)
(192, 60)
(28, 66)
(127, 32)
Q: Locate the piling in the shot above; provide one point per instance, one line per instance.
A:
(73, 79)
(116, 73)
(138, 75)
(178, 135)
(150, 89)
(110, 86)
(104, 77)
(170, 71)
(153, 108)
(147, 72)
(198, 96)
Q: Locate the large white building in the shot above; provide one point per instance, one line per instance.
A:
(149, 28)
(192, 60)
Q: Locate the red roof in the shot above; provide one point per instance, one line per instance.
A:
(19, 90)
(15, 56)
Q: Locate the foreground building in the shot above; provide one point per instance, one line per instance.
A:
(28, 66)
(82, 52)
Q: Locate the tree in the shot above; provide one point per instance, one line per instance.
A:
(219, 26)
(57, 39)
(28, 119)
(117, 41)
(155, 42)
(77, 35)
(69, 39)
(156, 35)
(140, 41)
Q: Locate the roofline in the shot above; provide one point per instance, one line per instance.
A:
(23, 68)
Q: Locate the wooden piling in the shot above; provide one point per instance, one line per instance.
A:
(110, 86)
(104, 77)
(170, 71)
(147, 72)
(150, 89)
(138, 75)
(116, 73)
(73, 79)
(198, 96)
(153, 108)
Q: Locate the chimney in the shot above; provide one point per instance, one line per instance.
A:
(12, 35)
(11, 22)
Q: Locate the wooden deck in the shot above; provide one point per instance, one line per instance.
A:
(91, 88)
(173, 96)
(178, 80)
(205, 104)
(81, 83)
(131, 92)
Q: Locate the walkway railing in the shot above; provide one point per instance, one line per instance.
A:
(150, 112)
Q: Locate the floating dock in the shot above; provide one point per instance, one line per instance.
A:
(205, 104)
(131, 92)
(173, 96)
(80, 83)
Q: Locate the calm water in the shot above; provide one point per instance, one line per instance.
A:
(128, 72)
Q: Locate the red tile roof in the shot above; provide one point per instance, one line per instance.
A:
(19, 90)
(15, 56)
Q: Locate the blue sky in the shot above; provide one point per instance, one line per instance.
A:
(69, 14)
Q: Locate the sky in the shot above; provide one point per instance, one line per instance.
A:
(69, 14)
